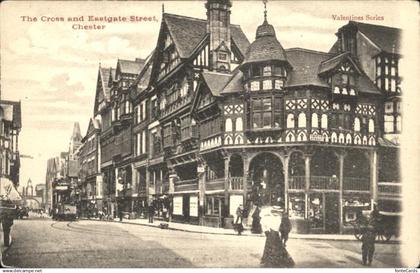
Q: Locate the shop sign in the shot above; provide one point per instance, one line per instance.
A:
(194, 206)
(319, 138)
(177, 203)
(61, 188)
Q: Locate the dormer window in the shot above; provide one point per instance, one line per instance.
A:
(256, 71)
(222, 56)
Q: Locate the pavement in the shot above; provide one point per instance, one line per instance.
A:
(222, 231)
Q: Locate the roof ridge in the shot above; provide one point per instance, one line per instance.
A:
(308, 50)
(183, 16)
(334, 57)
(375, 25)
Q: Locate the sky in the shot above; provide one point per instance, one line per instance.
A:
(52, 69)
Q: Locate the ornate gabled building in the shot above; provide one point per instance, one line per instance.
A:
(10, 126)
(113, 105)
(256, 124)
(90, 178)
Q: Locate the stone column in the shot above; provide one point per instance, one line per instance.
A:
(201, 172)
(286, 182)
(307, 181)
(374, 176)
(245, 177)
(227, 186)
(340, 198)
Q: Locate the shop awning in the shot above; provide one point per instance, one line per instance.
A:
(8, 191)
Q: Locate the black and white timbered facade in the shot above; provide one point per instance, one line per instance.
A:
(215, 121)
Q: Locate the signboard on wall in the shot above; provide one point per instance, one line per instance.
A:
(234, 202)
(177, 205)
(194, 206)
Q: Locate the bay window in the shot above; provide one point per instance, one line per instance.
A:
(264, 115)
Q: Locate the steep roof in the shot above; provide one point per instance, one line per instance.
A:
(104, 73)
(143, 79)
(131, 67)
(188, 32)
(305, 65)
(12, 112)
(216, 81)
(336, 60)
(235, 84)
(386, 38)
(266, 47)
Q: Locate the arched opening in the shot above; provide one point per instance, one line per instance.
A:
(236, 166)
(238, 124)
(228, 125)
(266, 172)
(290, 123)
(356, 185)
(302, 120)
(314, 120)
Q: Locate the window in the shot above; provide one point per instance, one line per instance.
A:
(255, 85)
(222, 56)
(267, 84)
(256, 71)
(356, 124)
(389, 124)
(371, 126)
(389, 107)
(314, 122)
(239, 124)
(290, 123)
(143, 142)
(279, 84)
(398, 123)
(138, 144)
(393, 85)
(262, 112)
(228, 125)
(324, 121)
(267, 71)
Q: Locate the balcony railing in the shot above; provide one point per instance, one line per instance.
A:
(329, 183)
(389, 189)
(356, 184)
(297, 182)
(324, 183)
(236, 183)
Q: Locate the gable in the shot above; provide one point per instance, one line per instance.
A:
(101, 95)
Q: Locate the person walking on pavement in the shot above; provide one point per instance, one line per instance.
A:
(239, 218)
(368, 245)
(151, 212)
(285, 228)
(120, 214)
(7, 223)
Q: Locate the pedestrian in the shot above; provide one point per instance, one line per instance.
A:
(151, 212)
(285, 228)
(368, 244)
(239, 218)
(6, 222)
(256, 221)
(275, 254)
(120, 214)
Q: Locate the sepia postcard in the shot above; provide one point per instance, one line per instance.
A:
(209, 134)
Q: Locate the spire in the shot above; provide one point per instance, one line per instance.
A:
(163, 8)
(77, 136)
(265, 10)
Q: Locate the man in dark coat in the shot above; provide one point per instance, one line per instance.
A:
(368, 244)
(285, 228)
(256, 221)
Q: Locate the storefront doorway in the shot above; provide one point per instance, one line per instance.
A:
(266, 172)
(332, 219)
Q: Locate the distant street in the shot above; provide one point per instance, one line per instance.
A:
(46, 243)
